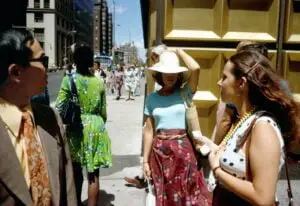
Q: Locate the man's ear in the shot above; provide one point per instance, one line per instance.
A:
(14, 71)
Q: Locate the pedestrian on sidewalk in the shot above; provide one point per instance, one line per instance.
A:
(109, 81)
(90, 144)
(36, 167)
(99, 72)
(248, 161)
(168, 156)
(137, 80)
(138, 181)
(119, 80)
(129, 82)
(227, 113)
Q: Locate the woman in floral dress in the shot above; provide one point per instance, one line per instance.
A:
(90, 147)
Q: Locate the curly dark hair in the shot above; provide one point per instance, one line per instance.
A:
(252, 46)
(267, 93)
(157, 76)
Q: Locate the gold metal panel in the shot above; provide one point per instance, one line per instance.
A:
(221, 20)
(206, 98)
(250, 20)
(152, 23)
(193, 19)
(152, 38)
(292, 33)
(292, 70)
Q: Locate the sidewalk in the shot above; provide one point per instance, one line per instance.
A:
(124, 126)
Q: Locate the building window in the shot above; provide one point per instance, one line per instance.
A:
(58, 21)
(46, 4)
(39, 34)
(42, 44)
(37, 4)
(38, 17)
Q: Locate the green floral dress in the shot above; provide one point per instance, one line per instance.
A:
(90, 147)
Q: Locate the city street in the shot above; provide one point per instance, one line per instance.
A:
(125, 126)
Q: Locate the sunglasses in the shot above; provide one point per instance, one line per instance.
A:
(44, 60)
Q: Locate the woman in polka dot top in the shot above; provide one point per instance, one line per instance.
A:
(247, 163)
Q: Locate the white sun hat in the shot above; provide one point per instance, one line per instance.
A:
(168, 63)
(158, 50)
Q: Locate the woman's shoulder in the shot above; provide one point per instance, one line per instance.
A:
(152, 97)
(268, 120)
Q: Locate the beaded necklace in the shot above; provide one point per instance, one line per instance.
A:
(234, 128)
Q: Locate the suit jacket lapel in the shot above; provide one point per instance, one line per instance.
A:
(51, 153)
(10, 171)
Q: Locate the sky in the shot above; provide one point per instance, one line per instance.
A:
(129, 23)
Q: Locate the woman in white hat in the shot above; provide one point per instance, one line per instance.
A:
(168, 156)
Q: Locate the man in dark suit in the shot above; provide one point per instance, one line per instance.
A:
(35, 165)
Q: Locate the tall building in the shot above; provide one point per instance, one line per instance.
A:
(96, 27)
(52, 24)
(110, 33)
(130, 53)
(84, 21)
(103, 28)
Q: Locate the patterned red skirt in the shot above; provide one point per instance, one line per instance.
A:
(177, 180)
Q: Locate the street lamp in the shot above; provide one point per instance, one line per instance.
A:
(114, 32)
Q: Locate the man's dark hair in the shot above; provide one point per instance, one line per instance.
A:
(14, 50)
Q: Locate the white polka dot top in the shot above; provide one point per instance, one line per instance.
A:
(233, 159)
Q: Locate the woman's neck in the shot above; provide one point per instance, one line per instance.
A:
(244, 107)
(167, 90)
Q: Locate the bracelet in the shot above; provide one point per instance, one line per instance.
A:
(215, 169)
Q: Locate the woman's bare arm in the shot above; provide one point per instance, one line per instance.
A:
(147, 138)
(264, 158)
(193, 66)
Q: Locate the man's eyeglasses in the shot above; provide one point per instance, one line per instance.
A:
(44, 60)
